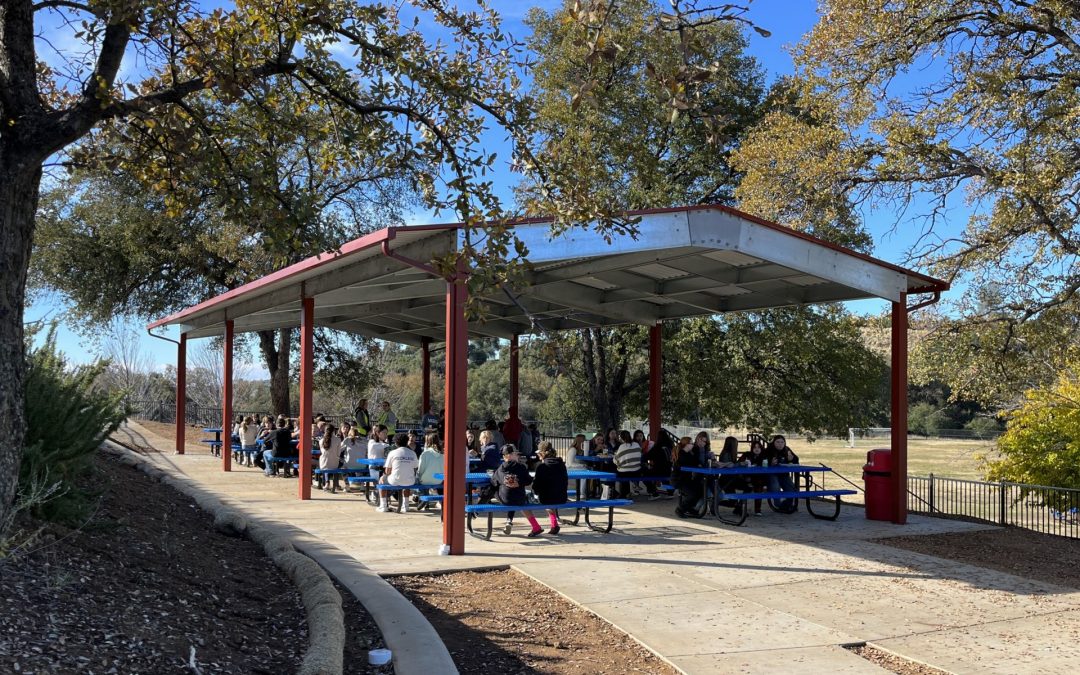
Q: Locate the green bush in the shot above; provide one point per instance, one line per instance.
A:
(66, 421)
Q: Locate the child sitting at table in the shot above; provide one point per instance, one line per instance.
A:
(431, 463)
(489, 451)
(657, 463)
(354, 449)
(330, 447)
(377, 448)
(550, 482)
(688, 484)
(511, 479)
(400, 469)
(756, 456)
(281, 447)
(782, 454)
(628, 457)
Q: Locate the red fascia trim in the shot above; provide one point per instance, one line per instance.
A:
(360, 244)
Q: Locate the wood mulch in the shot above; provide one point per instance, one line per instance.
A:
(504, 622)
(148, 586)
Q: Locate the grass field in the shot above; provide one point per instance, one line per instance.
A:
(942, 457)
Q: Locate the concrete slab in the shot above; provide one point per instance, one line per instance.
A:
(828, 659)
(1045, 644)
(711, 622)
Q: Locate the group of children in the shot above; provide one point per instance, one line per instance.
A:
(408, 461)
(698, 453)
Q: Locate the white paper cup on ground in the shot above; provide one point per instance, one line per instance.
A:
(378, 657)
(444, 549)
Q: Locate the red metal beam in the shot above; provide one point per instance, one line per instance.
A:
(656, 334)
(457, 338)
(425, 371)
(899, 396)
(227, 400)
(307, 368)
(515, 392)
(181, 393)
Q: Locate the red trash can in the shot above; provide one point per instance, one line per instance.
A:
(877, 475)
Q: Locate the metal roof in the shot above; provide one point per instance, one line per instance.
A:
(682, 262)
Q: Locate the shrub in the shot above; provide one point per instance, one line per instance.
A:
(66, 421)
(1041, 444)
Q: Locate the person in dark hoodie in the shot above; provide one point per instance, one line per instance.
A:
(782, 454)
(511, 479)
(688, 484)
(549, 486)
(757, 456)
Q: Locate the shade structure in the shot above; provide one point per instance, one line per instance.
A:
(683, 262)
(680, 263)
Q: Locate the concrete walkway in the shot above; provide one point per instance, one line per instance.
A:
(780, 595)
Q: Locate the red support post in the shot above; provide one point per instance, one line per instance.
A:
(181, 393)
(227, 400)
(899, 396)
(656, 334)
(307, 368)
(515, 391)
(457, 340)
(425, 371)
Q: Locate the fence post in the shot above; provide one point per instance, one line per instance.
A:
(931, 481)
(1001, 503)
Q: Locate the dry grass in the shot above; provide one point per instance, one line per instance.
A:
(949, 458)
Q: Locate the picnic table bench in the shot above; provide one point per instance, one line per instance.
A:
(712, 476)
(474, 510)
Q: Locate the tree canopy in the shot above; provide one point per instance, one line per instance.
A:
(642, 107)
(936, 108)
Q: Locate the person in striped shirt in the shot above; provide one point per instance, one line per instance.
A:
(628, 458)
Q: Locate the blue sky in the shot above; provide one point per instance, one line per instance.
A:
(787, 20)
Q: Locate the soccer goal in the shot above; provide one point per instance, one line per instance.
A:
(867, 433)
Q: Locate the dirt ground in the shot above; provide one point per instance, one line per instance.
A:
(504, 622)
(148, 586)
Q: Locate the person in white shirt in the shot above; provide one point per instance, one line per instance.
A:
(376, 448)
(401, 468)
(249, 433)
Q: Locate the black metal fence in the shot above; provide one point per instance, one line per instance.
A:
(1041, 508)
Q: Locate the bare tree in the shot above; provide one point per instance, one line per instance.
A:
(130, 366)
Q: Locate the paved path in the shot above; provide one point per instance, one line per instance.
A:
(777, 596)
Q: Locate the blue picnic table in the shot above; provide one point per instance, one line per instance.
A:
(712, 477)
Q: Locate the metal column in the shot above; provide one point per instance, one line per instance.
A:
(514, 379)
(307, 367)
(425, 371)
(899, 396)
(227, 400)
(457, 341)
(655, 366)
(181, 393)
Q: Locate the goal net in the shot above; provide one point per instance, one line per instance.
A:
(867, 433)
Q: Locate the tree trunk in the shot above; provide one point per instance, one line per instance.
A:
(277, 362)
(19, 182)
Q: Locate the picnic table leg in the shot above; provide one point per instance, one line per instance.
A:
(577, 512)
(610, 520)
(821, 516)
